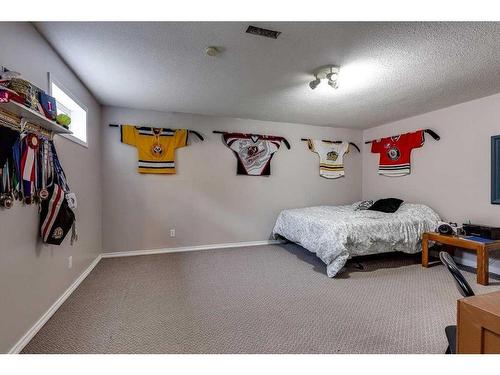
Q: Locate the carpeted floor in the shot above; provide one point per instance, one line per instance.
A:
(266, 299)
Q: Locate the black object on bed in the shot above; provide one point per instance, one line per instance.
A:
(388, 205)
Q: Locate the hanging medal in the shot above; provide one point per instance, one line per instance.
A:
(6, 198)
(157, 148)
(15, 181)
(44, 193)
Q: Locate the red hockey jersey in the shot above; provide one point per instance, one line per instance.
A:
(395, 152)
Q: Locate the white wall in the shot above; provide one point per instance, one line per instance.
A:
(33, 275)
(206, 202)
(452, 175)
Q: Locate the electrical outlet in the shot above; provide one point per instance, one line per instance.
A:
(172, 233)
(70, 261)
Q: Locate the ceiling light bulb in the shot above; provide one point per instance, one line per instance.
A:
(331, 76)
(315, 83)
(333, 83)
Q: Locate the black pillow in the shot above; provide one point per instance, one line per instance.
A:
(388, 205)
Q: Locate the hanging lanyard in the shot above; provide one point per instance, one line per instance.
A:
(44, 166)
(50, 165)
(157, 148)
(6, 198)
(5, 179)
(16, 159)
(59, 175)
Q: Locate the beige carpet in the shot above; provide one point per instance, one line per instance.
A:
(267, 299)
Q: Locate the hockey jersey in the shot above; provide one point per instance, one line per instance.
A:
(331, 157)
(56, 217)
(155, 147)
(395, 152)
(253, 152)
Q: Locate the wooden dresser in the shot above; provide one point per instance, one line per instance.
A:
(478, 324)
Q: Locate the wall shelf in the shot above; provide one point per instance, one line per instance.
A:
(33, 117)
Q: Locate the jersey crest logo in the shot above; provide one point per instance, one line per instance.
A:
(332, 155)
(393, 153)
(157, 150)
(58, 233)
(252, 150)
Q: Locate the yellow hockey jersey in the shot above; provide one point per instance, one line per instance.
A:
(155, 147)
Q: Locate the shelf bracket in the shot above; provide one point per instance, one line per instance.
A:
(22, 124)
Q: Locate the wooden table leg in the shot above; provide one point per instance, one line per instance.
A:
(425, 251)
(482, 266)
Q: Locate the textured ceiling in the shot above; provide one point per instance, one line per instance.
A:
(389, 71)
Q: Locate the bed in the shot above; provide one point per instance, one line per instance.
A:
(337, 233)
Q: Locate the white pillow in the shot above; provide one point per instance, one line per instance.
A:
(363, 205)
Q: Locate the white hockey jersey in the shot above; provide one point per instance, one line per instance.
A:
(331, 157)
(254, 152)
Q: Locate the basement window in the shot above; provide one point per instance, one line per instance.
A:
(69, 105)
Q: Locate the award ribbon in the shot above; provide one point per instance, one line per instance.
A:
(28, 166)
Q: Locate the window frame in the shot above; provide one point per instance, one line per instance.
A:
(495, 166)
(71, 137)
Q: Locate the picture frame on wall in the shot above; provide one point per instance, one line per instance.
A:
(495, 169)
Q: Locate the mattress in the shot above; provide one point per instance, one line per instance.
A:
(336, 233)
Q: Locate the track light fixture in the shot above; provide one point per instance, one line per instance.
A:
(315, 83)
(333, 84)
(328, 72)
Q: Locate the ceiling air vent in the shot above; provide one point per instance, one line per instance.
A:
(263, 32)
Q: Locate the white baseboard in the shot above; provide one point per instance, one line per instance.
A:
(493, 267)
(468, 259)
(188, 248)
(48, 314)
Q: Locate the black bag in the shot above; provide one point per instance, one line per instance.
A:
(56, 218)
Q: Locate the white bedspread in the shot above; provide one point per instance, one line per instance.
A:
(336, 233)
